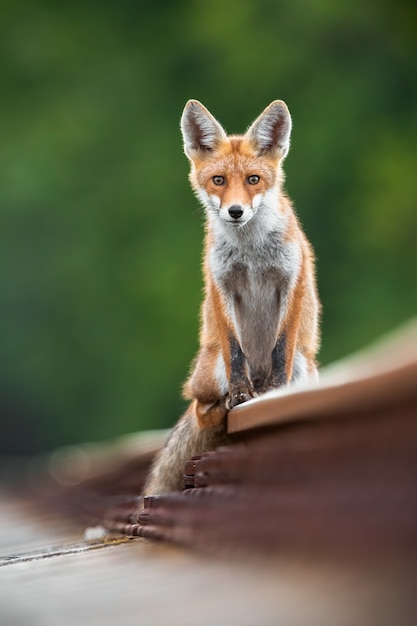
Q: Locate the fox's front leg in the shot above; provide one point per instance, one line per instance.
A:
(240, 387)
(284, 351)
(207, 387)
(279, 375)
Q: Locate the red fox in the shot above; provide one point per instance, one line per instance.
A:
(259, 318)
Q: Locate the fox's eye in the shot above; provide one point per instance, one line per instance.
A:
(218, 180)
(253, 179)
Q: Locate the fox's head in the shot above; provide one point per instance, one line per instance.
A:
(236, 176)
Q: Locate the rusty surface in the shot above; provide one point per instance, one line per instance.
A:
(303, 501)
(341, 482)
(343, 489)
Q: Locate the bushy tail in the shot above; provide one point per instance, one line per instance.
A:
(187, 439)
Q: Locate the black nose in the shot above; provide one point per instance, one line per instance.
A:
(235, 211)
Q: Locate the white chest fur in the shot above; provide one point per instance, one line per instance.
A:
(254, 272)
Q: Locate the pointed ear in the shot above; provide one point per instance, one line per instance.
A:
(270, 132)
(200, 131)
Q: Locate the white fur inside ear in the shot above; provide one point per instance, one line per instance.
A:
(271, 131)
(200, 131)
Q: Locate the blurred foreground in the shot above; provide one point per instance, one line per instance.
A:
(309, 517)
(126, 583)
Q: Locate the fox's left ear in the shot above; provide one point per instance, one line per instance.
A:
(270, 132)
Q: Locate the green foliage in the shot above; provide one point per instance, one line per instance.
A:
(100, 235)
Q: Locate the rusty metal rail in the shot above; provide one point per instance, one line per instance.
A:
(328, 468)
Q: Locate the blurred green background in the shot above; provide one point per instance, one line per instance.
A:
(100, 233)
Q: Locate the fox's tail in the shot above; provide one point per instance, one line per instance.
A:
(186, 440)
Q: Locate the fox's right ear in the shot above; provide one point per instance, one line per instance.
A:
(200, 131)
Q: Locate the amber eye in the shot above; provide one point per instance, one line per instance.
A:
(218, 180)
(253, 179)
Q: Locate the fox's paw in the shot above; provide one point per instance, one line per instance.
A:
(238, 396)
(210, 415)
